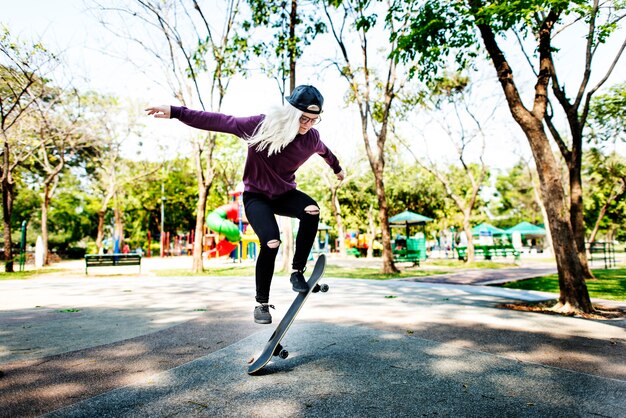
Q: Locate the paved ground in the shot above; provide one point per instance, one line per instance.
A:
(141, 345)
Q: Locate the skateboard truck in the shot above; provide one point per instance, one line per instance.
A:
(280, 351)
(320, 288)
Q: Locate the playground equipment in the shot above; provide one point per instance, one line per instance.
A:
(222, 220)
(227, 221)
(357, 244)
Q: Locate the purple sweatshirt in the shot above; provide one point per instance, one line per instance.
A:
(271, 176)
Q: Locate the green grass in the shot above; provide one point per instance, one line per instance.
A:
(458, 264)
(24, 275)
(233, 270)
(372, 273)
(331, 271)
(375, 274)
(610, 284)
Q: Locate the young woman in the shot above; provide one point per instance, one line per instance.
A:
(278, 144)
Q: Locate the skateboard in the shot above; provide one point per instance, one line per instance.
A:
(273, 347)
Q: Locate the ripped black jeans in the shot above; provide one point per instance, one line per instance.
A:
(261, 211)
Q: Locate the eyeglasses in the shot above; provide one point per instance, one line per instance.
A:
(313, 121)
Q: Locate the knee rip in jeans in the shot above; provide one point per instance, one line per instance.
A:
(274, 243)
(312, 210)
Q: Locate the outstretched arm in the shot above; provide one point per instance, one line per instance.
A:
(161, 111)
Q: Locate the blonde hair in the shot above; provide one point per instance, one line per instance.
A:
(277, 130)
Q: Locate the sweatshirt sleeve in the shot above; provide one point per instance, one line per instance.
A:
(216, 122)
(328, 156)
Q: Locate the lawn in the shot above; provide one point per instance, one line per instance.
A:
(371, 273)
(23, 275)
(609, 284)
(331, 271)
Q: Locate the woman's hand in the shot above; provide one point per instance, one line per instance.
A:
(162, 111)
(341, 175)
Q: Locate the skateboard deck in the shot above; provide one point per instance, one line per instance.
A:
(273, 346)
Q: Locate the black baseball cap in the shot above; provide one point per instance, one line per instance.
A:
(307, 99)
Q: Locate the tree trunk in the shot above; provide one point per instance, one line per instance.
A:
(45, 204)
(615, 196)
(596, 227)
(383, 215)
(7, 210)
(204, 181)
(544, 215)
(574, 295)
(119, 225)
(336, 209)
(576, 215)
(467, 228)
(371, 231)
(100, 234)
(293, 22)
(197, 264)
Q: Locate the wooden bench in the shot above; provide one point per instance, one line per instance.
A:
(110, 260)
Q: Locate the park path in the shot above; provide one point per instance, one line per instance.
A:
(131, 345)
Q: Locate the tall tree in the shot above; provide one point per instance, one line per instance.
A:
(601, 20)
(441, 35)
(373, 92)
(181, 40)
(61, 143)
(22, 71)
(462, 126)
(292, 27)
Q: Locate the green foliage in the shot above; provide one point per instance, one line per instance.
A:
(443, 36)
(515, 197)
(287, 42)
(607, 116)
(605, 187)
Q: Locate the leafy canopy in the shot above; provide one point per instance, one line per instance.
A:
(442, 35)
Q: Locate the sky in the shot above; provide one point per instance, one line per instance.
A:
(65, 25)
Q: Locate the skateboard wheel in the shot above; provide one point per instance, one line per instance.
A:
(283, 354)
(324, 288)
(316, 288)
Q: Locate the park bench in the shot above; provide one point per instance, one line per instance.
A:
(489, 251)
(110, 260)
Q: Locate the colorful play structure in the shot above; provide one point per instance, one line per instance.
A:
(231, 235)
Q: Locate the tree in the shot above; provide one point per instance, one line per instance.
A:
(372, 93)
(439, 31)
(606, 181)
(182, 42)
(62, 142)
(292, 27)
(601, 21)
(22, 68)
(462, 126)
